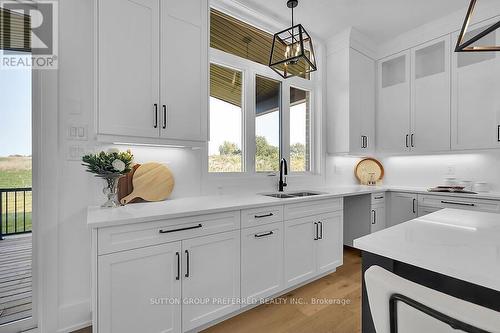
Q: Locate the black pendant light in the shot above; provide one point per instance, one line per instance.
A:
(466, 45)
(292, 53)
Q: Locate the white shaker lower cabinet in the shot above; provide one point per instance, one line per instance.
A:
(402, 207)
(261, 261)
(329, 247)
(300, 250)
(313, 245)
(377, 218)
(183, 274)
(211, 272)
(132, 285)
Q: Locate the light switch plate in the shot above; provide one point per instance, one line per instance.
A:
(77, 132)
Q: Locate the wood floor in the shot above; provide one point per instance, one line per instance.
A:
(344, 284)
(15, 278)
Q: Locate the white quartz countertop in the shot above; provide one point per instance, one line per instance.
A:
(151, 211)
(457, 243)
(143, 212)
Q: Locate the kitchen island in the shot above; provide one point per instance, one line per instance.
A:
(456, 252)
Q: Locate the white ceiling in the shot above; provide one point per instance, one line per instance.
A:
(379, 19)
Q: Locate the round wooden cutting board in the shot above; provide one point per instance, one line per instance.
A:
(366, 167)
(151, 182)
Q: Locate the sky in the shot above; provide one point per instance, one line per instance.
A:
(226, 125)
(15, 112)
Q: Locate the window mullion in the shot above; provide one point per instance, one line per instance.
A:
(249, 130)
(285, 121)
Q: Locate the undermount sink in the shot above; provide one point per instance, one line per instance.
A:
(304, 194)
(291, 195)
(279, 195)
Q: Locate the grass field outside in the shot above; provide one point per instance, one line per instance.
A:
(15, 172)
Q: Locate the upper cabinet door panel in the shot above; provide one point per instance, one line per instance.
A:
(184, 71)
(393, 111)
(128, 67)
(186, 10)
(475, 95)
(361, 103)
(431, 96)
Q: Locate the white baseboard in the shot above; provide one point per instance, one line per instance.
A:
(74, 316)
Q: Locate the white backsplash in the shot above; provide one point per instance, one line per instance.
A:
(423, 170)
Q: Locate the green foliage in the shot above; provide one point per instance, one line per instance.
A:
(266, 156)
(102, 163)
(224, 163)
(229, 148)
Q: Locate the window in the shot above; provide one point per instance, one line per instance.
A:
(267, 124)
(300, 130)
(225, 146)
(256, 117)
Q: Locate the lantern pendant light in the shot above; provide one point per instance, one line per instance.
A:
(466, 45)
(292, 53)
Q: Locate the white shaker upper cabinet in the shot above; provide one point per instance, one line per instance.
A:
(351, 102)
(393, 110)
(430, 98)
(129, 67)
(184, 70)
(153, 70)
(475, 117)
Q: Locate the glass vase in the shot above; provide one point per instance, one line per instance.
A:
(110, 190)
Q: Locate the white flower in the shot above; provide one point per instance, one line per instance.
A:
(113, 150)
(119, 165)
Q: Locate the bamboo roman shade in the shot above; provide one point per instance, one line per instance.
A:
(15, 31)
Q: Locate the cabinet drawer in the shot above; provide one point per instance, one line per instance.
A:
(378, 198)
(119, 238)
(439, 201)
(309, 208)
(259, 216)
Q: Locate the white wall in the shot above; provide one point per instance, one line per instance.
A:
(423, 170)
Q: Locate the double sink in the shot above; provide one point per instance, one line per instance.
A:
(292, 195)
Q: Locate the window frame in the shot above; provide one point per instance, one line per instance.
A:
(250, 70)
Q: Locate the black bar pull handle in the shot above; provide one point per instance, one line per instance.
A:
(264, 234)
(374, 218)
(320, 230)
(498, 133)
(379, 197)
(181, 229)
(263, 216)
(187, 263)
(164, 126)
(407, 145)
(458, 203)
(178, 277)
(414, 211)
(316, 226)
(412, 140)
(156, 115)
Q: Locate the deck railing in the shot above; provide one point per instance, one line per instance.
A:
(15, 211)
